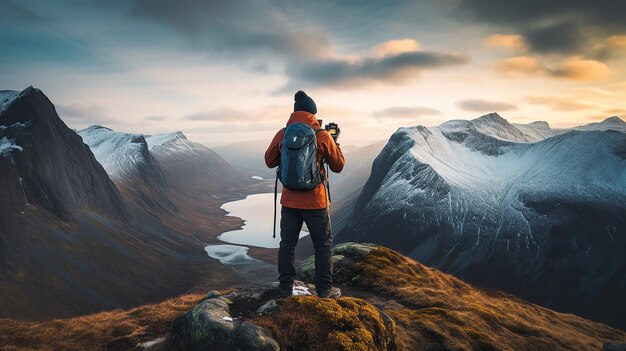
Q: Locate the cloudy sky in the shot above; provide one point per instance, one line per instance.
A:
(225, 71)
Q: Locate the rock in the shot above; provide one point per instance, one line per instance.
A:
(159, 344)
(209, 326)
(302, 290)
(253, 337)
(212, 294)
(613, 346)
(268, 308)
(354, 250)
(345, 255)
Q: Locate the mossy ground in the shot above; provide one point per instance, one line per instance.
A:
(310, 323)
(434, 310)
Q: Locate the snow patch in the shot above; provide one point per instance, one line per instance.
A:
(119, 153)
(6, 98)
(8, 145)
(162, 139)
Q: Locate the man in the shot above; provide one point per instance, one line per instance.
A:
(310, 207)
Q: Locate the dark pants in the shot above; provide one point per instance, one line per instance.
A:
(318, 222)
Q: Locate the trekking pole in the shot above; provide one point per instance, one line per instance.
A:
(275, 198)
(328, 182)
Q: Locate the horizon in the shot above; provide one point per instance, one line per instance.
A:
(156, 67)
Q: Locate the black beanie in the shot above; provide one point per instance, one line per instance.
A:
(303, 102)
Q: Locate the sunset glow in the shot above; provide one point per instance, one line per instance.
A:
(223, 72)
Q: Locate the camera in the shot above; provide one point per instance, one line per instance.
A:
(332, 128)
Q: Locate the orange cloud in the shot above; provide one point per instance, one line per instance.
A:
(616, 42)
(395, 47)
(575, 68)
(519, 66)
(510, 41)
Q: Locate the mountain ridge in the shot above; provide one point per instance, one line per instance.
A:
(536, 219)
(74, 241)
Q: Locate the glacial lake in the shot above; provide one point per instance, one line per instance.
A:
(257, 211)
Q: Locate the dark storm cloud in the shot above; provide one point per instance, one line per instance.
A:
(388, 69)
(562, 26)
(232, 27)
(477, 105)
(261, 31)
(564, 37)
(403, 112)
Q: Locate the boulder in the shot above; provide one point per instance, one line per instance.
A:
(612, 346)
(345, 255)
(209, 326)
(268, 308)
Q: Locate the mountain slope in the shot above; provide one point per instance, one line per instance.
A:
(544, 220)
(68, 178)
(189, 166)
(128, 162)
(537, 130)
(70, 242)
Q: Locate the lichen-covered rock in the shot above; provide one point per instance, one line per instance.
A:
(345, 255)
(212, 294)
(306, 270)
(268, 308)
(353, 250)
(209, 326)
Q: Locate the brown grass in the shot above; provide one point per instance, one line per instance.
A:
(310, 323)
(438, 310)
(112, 330)
(431, 311)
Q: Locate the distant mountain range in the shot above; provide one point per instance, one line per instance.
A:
(99, 219)
(115, 225)
(527, 209)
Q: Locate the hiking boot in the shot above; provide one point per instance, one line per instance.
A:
(333, 293)
(286, 291)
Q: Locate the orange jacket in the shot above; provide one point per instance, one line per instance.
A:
(326, 147)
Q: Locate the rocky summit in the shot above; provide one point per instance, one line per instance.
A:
(389, 302)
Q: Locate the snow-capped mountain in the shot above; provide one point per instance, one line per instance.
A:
(191, 166)
(121, 154)
(537, 130)
(611, 123)
(130, 164)
(72, 241)
(67, 178)
(545, 220)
